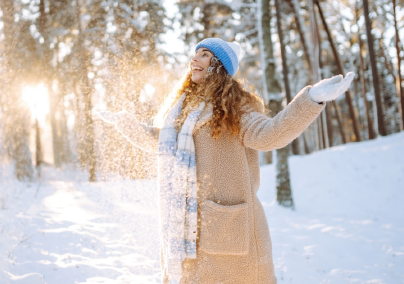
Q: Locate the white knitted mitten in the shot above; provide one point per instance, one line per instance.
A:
(110, 117)
(330, 89)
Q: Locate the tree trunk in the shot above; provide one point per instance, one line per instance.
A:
(330, 129)
(339, 120)
(86, 91)
(320, 133)
(331, 105)
(301, 27)
(56, 138)
(78, 125)
(15, 118)
(399, 86)
(315, 75)
(341, 70)
(38, 148)
(285, 70)
(315, 46)
(302, 31)
(323, 116)
(272, 89)
(371, 132)
(283, 53)
(283, 187)
(47, 72)
(372, 58)
(66, 155)
(306, 146)
(356, 86)
(273, 96)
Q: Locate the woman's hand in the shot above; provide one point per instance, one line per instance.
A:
(330, 89)
(110, 117)
(139, 134)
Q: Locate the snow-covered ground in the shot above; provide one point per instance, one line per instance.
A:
(347, 227)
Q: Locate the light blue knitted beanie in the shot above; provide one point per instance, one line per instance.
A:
(227, 52)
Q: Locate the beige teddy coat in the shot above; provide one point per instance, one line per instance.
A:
(234, 244)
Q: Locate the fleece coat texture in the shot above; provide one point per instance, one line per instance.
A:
(233, 243)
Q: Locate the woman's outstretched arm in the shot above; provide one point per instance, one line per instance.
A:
(139, 134)
(260, 132)
(263, 133)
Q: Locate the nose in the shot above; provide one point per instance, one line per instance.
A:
(194, 58)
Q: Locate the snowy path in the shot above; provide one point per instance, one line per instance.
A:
(348, 226)
(75, 232)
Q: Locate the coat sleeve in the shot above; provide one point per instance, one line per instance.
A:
(260, 132)
(139, 134)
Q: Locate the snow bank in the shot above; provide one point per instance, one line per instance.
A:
(66, 230)
(14, 195)
(348, 225)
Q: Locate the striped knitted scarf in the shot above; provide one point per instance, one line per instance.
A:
(178, 190)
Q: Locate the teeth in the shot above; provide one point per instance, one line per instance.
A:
(197, 68)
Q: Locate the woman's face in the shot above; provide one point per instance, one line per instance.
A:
(200, 63)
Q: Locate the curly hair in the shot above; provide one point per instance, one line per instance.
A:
(229, 98)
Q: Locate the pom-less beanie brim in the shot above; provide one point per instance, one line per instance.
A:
(226, 53)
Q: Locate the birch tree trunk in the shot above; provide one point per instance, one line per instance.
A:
(273, 96)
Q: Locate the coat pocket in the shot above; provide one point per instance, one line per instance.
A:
(224, 229)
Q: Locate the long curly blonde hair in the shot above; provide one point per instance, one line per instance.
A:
(229, 97)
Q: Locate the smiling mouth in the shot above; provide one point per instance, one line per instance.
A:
(196, 69)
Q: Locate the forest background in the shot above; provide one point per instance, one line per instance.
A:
(62, 61)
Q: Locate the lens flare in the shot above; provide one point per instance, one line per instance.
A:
(37, 99)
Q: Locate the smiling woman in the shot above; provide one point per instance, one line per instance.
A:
(212, 226)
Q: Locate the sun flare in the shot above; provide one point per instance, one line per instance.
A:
(38, 100)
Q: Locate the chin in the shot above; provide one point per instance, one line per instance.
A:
(196, 79)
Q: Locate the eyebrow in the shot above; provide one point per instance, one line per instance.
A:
(205, 49)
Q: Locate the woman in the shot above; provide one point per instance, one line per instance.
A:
(212, 225)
